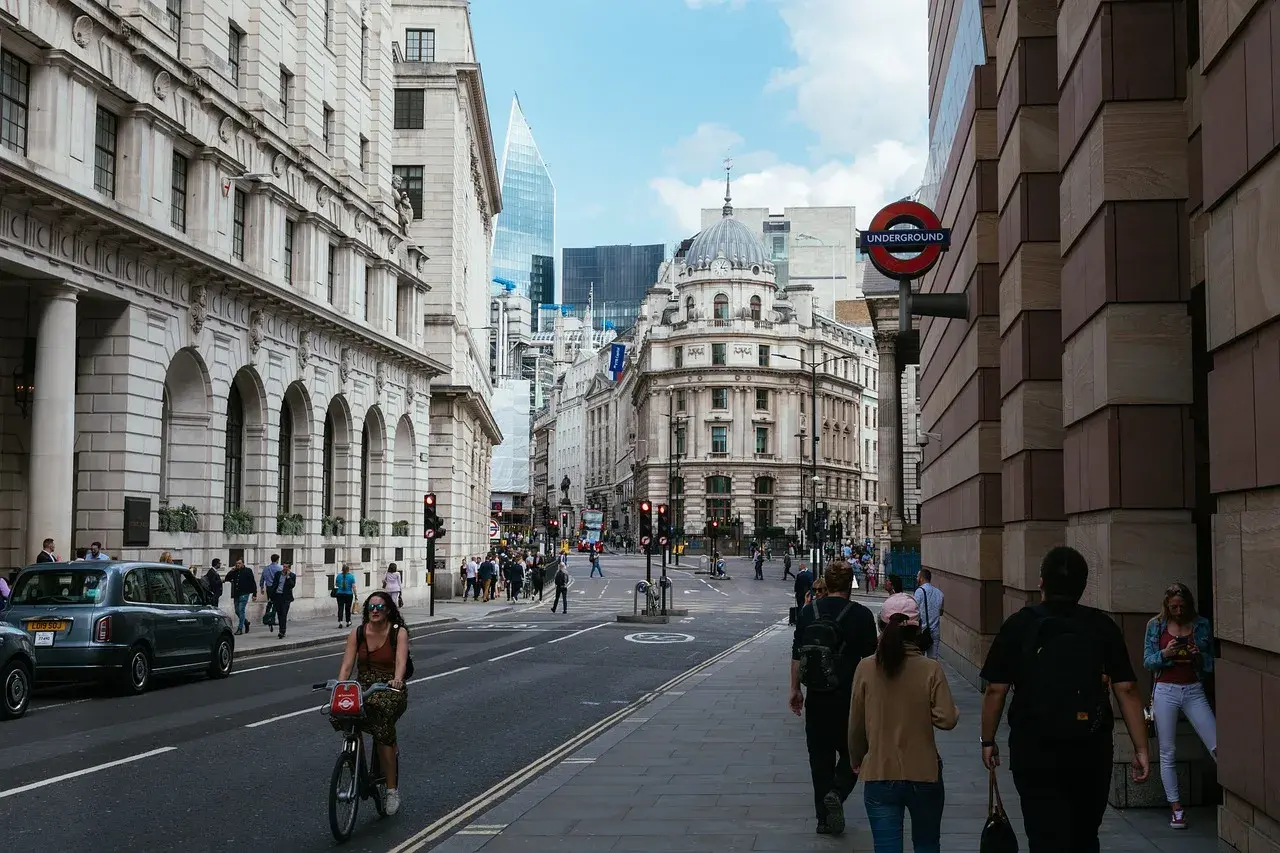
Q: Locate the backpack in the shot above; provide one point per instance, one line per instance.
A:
(825, 662)
(1064, 691)
(395, 630)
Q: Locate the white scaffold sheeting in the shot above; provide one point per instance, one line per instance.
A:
(511, 458)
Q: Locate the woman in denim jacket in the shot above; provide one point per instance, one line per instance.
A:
(1179, 653)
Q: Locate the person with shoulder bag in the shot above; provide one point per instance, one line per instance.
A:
(832, 634)
(344, 591)
(1179, 653)
(899, 698)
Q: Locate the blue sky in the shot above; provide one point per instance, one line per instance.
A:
(635, 103)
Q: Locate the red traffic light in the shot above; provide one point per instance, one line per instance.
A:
(662, 509)
(555, 523)
(715, 523)
(429, 499)
(645, 506)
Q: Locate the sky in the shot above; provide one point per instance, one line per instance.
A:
(636, 103)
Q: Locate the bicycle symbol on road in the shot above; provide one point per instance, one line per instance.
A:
(658, 638)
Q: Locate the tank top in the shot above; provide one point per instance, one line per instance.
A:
(1182, 668)
(381, 657)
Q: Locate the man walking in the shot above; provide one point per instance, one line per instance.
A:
(269, 575)
(595, 564)
(473, 584)
(539, 578)
(804, 583)
(562, 589)
(929, 601)
(759, 563)
(786, 566)
(212, 579)
(832, 635)
(243, 588)
(282, 595)
(1061, 657)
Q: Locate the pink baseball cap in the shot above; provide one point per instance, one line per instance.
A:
(900, 604)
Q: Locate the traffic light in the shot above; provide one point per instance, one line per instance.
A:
(432, 523)
(646, 519)
(664, 521)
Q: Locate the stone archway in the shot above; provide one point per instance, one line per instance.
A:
(336, 478)
(246, 478)
(405, 472)
(373, 463)
(186, 445)
(294, 448)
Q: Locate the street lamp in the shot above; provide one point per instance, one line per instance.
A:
(813, 416)
(821, 242)
(675, 429)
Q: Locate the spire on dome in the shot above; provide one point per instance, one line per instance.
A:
(727, 210)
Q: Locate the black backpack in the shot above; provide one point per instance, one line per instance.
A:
(825, 663)
(395, 630)
(1064, 691)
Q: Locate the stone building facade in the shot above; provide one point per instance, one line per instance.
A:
(1108, 170)
(212, 313)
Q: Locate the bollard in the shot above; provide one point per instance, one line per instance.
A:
(635, 598)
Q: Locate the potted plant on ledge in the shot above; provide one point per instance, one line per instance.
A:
(370, 528)
(237, 522)
(290, 524)
(332, 525)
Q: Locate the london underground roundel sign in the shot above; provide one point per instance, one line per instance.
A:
(925, 242)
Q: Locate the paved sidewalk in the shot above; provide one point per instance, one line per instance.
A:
(320, 629)
(718, 763)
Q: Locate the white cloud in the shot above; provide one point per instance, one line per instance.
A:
(860, 86)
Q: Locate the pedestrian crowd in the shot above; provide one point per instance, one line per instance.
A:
(519, 575)
(872, 693)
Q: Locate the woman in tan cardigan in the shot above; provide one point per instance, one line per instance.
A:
(899, 698)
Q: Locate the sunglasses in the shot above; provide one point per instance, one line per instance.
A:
(378, 607)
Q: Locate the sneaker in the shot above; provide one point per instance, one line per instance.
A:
(1178, 820)
(391, 804)
(823, 829)
(239, 631)
(835, 812)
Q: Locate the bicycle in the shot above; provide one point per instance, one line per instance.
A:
(352, 780)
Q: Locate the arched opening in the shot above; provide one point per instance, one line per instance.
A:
(404, 471)
(721, 307)
(763, 504)
(373, 440)
(284, 458)
(755, 308)
(184, 434)
(246, 480)
(293, 454)
(233, 453)
(688, 308)
(719, 501)
(335, 467)
(327, 466)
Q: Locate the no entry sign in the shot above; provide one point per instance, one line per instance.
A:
(927, 240)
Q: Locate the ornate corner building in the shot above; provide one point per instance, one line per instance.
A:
(213, 296)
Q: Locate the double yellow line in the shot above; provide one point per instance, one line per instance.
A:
(482, 802)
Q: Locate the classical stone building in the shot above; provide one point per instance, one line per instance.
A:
(212, 315)
(723, 382)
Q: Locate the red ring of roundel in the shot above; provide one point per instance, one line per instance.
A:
(895, 214)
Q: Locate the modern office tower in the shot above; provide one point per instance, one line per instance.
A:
(526, 228)
(613, 278)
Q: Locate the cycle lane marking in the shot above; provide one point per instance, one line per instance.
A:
(85, 772)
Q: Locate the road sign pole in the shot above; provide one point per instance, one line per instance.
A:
(431, 573)
(648, 562)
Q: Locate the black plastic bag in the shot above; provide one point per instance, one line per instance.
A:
(997, 834)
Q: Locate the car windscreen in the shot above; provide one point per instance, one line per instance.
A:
(61, 586)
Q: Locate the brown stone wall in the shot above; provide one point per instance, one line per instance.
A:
(1030, 273)
(960, 365)
(1237, 190)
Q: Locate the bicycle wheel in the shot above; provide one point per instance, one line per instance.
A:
(344, 796)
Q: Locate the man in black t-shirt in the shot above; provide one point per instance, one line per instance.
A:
(1063, 773)
(826, 713)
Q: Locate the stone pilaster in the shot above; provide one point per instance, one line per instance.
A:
(53, 422)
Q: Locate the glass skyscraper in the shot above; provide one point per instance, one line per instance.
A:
(526, 227)
(620, 276)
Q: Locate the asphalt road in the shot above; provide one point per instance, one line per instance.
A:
(245, 763)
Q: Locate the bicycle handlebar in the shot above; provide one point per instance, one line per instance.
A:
(374, 689)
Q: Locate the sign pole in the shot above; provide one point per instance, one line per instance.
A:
(431, 573)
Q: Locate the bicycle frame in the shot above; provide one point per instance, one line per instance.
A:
(366, 778)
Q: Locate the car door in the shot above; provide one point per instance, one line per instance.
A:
(197, 621)
(170, 619)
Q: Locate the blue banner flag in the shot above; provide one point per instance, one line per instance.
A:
(617, 358)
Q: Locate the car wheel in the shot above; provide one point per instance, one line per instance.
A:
(15, 690)
(136, 676)
(223, 658)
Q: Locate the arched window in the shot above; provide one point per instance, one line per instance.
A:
(764, 485)
(719, 503)
(364, 470)
(755, 308)
(166, 415)
(721, 307)
(284, 455)
(328, 463)
(233, 455)
(719, 485)
(688, 308)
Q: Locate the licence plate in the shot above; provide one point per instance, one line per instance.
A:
(47, 625)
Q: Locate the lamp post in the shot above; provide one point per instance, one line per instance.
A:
(675, 429)
(821, 242)
(813, 416)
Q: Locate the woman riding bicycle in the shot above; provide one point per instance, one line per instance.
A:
(381, 658)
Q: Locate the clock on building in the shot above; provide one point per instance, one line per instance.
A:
(720, 266)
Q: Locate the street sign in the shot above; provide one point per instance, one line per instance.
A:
(883, 244)
(494, 529)
(644, 540)
(662, 540)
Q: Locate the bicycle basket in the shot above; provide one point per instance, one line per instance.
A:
(347, 701)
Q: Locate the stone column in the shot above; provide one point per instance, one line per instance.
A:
(889, 406)
(53, 424)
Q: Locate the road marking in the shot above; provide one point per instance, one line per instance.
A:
(658, 637)
(576, 633)
(65, 776)
(465, 812)
(312, 710)
(512, 654)
(578, 761)
(285, 663)
(35, 708)
(474, 829)
(712, 588)
(602, 591)
(439, 675)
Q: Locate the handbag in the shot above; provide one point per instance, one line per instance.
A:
(924, 639)
(997, 833)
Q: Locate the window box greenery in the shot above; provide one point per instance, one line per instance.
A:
(369, 528)
(237, 522)
(399, 528)
(290, 524)
(332, 525)
(178, 519)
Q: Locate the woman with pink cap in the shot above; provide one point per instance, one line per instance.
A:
(899, 698)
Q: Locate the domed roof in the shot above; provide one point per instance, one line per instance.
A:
(729, 238)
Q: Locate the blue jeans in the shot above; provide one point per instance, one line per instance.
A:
(886, 802)
(242, 601)
(595, 567)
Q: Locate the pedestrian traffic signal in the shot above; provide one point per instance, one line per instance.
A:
(664, 521)
(432, 523)
(646, 519)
